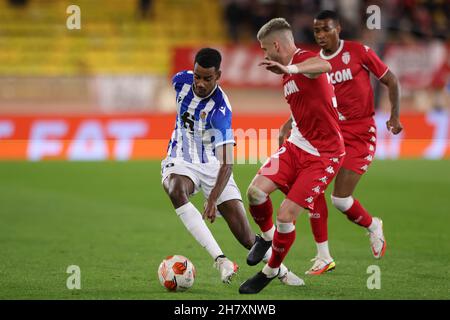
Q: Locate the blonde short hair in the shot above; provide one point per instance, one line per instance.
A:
(273, 25)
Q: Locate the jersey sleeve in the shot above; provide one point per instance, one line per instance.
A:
(302, 56)
(221, 123)
(181, 78)
(372, 62)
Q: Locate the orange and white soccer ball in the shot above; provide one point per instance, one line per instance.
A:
(176, 273)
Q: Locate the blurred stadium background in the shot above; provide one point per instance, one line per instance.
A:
(121, 60)
(103, 93)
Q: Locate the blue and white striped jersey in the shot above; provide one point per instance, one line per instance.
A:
(202, 124)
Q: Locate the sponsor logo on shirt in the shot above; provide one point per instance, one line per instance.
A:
(341, 76)
(290, 87)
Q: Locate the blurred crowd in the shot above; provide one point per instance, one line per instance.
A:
(409, 22)
(414, 39)
(422, 19)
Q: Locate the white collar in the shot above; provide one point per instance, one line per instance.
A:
(341, 45)
(209, 95)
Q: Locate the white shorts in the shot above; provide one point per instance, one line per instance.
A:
(203, 175)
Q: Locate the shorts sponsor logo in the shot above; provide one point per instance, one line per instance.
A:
(309, 199)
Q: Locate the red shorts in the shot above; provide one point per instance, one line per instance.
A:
(299, 174)
(360, 143)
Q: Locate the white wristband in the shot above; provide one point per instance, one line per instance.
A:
(292, 69)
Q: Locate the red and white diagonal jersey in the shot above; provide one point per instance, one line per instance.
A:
(315, 127)
(352, 64)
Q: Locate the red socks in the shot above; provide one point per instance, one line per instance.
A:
(319, 219)
(281, 244)
(358, 214)
(262, 214)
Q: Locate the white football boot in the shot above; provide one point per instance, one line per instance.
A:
(227, 269)
(321, 266)
(377, 241)
(289, 278)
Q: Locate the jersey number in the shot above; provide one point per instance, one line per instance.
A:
(188, 120)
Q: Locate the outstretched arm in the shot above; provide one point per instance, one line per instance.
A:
(225, 155)
(311, 67)
(391, 82)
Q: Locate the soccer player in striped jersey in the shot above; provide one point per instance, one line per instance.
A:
(200, 156)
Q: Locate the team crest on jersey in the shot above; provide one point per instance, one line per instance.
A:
(203, 115)
(346, 57)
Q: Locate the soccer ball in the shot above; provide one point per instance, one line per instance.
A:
(176, 273)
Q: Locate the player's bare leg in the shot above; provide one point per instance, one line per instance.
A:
(233, 212)
(179, 188)
(342, 198)
(283, 239)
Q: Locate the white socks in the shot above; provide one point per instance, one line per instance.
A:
(323, 251)
(267, 255)
(342, 204)
(285, 227)
(270, 272)
(193, 221)
(283, 268)
(268, 235)
(282, 228)
(373, 226)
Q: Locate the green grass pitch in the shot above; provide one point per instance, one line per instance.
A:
(114, 221)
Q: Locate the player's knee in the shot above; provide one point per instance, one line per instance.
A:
(177, 196)
(342, 204)
(286, 214)
(255, 195)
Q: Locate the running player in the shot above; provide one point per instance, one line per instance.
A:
(200, 156)
(305, 165)
(352, 64)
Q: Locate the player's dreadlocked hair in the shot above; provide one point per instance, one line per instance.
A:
(208, 58)
(273, 25)
(328, 14)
